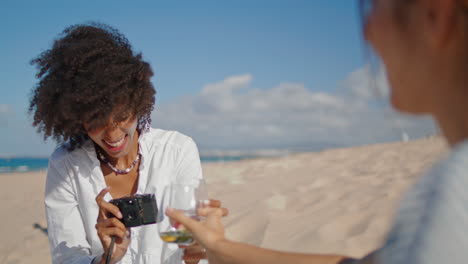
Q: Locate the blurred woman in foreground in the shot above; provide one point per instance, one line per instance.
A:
(424, 47)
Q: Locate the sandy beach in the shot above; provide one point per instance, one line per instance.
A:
(336, 201)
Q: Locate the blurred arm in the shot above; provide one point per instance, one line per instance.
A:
(237, 253)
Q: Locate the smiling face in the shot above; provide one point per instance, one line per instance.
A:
(116, 138)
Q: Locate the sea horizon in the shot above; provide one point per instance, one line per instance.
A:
(28, 164)
(13, 163)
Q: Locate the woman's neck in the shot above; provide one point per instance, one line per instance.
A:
(452, 113)
(448, 95)
(127, 160)
(454, 127)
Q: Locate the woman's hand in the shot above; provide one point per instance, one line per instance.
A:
(194, 253)
(207, 233)
(110, 226)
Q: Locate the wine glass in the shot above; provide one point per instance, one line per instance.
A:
(171, 254)
(187, 198)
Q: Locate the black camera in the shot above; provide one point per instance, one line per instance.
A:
(137, 210)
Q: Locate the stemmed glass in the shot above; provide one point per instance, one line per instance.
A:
(187, 198)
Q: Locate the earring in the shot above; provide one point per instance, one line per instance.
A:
(146, 126)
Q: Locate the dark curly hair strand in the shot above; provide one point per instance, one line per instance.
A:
(89, 75)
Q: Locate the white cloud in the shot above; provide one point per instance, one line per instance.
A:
(231, 114)
(4, 109)
(5, 113)
(228, 85)
(367, 83)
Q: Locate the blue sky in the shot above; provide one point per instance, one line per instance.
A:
(311, 48)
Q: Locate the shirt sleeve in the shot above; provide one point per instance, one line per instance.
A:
(188, 166)
(67, 236)
(430, 226)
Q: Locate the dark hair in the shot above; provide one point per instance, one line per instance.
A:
(399, 10)
(88, 76)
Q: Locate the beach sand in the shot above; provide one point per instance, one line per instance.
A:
(336, 201)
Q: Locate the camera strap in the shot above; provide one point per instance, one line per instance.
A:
(111, 248)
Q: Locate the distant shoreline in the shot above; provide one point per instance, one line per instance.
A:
(23, 165)
(32, 164)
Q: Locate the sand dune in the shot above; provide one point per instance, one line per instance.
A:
(336, 201)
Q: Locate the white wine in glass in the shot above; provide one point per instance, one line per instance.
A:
(184, 197)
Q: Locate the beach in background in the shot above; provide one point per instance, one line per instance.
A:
(335, 201)
(235, 76)
(33, 164)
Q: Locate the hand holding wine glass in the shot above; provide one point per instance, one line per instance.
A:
(209, 232)
(183, 197)
(188, 199)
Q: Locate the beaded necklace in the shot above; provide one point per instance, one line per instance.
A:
(113, 168)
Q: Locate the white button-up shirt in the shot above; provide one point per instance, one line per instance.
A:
(74, 179)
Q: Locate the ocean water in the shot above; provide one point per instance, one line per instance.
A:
(205, 159)
(22, 164)
(35, 164)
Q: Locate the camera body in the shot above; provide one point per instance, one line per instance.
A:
(137, 210)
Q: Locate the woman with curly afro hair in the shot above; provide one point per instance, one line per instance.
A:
(94, 97)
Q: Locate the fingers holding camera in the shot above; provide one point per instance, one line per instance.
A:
(106, 208)
(108, 227)
(112, 227)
